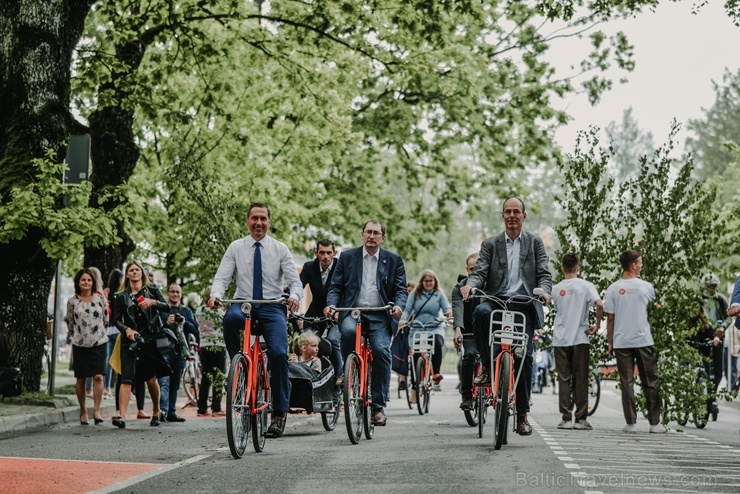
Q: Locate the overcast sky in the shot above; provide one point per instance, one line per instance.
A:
(678, 55)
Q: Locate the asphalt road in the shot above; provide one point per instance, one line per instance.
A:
(434, 453)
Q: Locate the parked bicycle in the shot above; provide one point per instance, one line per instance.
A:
(248, 388)
(358, 378)
(192, 373)
(507, 330)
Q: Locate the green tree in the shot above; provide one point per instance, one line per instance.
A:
(628, 144)
(669, 219)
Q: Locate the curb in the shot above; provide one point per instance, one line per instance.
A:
(52, 416)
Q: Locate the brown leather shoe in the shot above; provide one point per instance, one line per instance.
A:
(277, 426)
(522, 425)
(379, 418)
(483, 379)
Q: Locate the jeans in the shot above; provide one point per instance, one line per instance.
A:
(169, 386)
(273, 328)
(467, 366)
(377, 329)
(733, 368)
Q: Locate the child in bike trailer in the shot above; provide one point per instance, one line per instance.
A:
(572, 298)
(306, 351)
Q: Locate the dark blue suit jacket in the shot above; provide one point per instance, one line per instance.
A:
(736, 299)
(347, 281)
(311, 276)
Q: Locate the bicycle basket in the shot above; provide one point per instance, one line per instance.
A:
(508, 328)
(422, 342)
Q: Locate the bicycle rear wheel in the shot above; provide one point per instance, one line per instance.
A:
(191, 381)
(367, 413)
(482, 403)
(594, 391)
(238, 411)
(471, 416)
(353, 402)
(259, 419)
(502, 400)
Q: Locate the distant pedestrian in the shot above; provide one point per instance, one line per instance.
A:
(572, 299)
(630, 340)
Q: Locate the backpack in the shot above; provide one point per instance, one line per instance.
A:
(11, 381)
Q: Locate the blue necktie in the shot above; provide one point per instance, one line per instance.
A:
(257, 273)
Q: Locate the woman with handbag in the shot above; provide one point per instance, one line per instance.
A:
(136, 316)
(426, 303)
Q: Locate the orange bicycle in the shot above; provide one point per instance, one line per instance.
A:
(248, 388)
(507, 330)
(421, 344)
(358, 378)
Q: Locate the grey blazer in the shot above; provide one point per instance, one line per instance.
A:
(491, 269)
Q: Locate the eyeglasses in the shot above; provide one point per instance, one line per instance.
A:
(373, 233)
(512, 212)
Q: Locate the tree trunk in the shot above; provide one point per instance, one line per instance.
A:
(36, 44)
(114, 155)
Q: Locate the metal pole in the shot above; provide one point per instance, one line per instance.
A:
(55, 329)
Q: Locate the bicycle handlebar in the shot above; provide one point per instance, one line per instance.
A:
(538, 292)
(312, 320)
(361, 309)
(422, 325)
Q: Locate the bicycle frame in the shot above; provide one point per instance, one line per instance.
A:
(513, 339)
(253, 353)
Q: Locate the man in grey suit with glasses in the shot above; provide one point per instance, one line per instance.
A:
(511, 263)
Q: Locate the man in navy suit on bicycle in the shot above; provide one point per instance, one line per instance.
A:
(369, 276)
(511, 263)
(317, 274)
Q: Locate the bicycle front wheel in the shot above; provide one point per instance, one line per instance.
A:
(502, 400)
(238, 410)
(422, 392)
(353, 401)
(594, 391)
(259, 419)
(409, 380)
(368, 410)
(471, 416)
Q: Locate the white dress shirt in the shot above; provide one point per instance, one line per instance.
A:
(277, 265)
(369, 295)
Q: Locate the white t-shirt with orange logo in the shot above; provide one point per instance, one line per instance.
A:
(572, 299)
(628, 301)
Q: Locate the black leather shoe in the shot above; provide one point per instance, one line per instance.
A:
(154, 422)
(119, 422)
(277, 426)
(466, 405)
(175, 418)
(162, 417)
(522, 425)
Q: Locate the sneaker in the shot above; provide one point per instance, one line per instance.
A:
(658, 429)
(582, 425)
(630, 429)
(466, 405)
(565, 424)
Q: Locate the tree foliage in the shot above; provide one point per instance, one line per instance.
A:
(668, 218)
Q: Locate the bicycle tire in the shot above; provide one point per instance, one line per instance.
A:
(421, 389)
(353, 402)
(471, 416)
(482, 404)
(594, 392)
(502, 400)
(191, 382)
(367, 411)
(701, 417)
(238, 410)
(329, 419)
(409, 380)
(259, 419)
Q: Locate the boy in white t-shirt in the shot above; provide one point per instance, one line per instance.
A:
(572, 298)
(630, 340)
